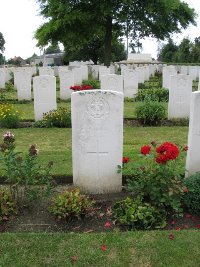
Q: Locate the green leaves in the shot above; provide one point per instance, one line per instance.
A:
(76, 22)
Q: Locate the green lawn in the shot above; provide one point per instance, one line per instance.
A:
(124, 249)
(55, 143)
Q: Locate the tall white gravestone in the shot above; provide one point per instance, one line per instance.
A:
(46, 71)
(112, 82)
(103, 70)
(2, 78)
(66, 81)
(22, 77)
(167, 72)
(78, 77)
(97, 140)
(179, 96)
(44, 88)
(130, 83)
(193, 159)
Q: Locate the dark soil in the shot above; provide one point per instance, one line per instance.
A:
(37, 218)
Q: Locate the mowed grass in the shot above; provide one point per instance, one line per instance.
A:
(123, 249)
(55, 144)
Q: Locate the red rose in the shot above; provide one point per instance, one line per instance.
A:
(145, 150)
(125, 159)
(167, 151)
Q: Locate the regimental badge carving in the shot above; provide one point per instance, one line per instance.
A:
(182, 84)
(98, 108)
(44, 83)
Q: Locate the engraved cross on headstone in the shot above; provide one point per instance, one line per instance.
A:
(98, 153)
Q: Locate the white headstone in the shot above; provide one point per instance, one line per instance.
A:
(60, 68)
(8, 73)
(66, 81)
(84, 69)
(179, 96)
(78, 78)
(146, 73)
(141, 75)
(95, 71)
(44, 88)
(123, 68)
(22, 77)
(130, 83)
(46, 71)
(56, 73)
(167, 72)
(34, 70)
(103, 70)
(112, 69)
(199, 83)
(194, 72)
(193, 159)
(97, 140)
(184, 70)
(2, 78)
(112, 82)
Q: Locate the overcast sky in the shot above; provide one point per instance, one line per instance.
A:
(19, 19)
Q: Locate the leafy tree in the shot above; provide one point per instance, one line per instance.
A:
(2, 48)
(94, 51)
(2, 59)
(29, 59)
(195, 51)
(168, 52)
(2, 43)
(52, 49)
(184, 51)
(74, 23)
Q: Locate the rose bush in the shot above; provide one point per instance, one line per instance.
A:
(157, 177)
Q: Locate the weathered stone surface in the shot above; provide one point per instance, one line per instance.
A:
(44, 89)
(112, 82)
(179, 96)
(97, 140)
(193, 159)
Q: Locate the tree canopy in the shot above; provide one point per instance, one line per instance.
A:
(2, 43)
(75, 23)
(2, 48)
(186, 52)
(54, 48)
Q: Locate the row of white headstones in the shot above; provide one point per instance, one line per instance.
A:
(44, 86)
(97, 132)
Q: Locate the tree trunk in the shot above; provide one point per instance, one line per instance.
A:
(108, 42)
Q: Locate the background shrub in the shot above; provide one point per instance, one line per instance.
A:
(9, 117)
(94, 83)
(58, 118)
(150, 112)
(192, 197)
(154, 94)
